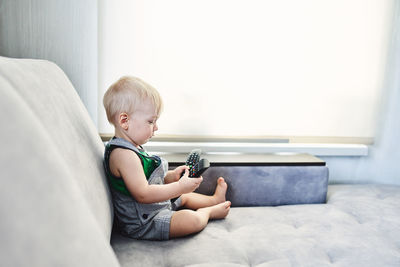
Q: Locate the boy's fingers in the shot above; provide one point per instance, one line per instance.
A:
(185, 172)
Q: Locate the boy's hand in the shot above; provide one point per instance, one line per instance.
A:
(175, 175)
(187, 184)
(178, 172)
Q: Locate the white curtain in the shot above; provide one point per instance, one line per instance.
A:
(252, 68)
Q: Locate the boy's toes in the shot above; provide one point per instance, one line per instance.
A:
(221, 181)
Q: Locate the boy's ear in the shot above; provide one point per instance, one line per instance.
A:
(123, 120)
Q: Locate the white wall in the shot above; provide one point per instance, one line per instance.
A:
(62, 31)
(383, 163)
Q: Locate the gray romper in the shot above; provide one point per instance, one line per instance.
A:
(134, 219)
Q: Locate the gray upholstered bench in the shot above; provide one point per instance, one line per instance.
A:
(265, 179)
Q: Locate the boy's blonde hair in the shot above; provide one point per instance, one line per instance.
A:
(126, 94)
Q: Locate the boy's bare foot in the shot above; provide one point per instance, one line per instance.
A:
(220, 191)
(218, 211)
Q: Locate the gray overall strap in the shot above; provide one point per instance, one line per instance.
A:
(122, 142)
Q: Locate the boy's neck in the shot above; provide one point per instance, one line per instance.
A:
(123, 136)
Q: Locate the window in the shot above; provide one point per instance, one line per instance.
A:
(237, 68)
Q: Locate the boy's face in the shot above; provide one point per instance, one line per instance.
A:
(142, 123)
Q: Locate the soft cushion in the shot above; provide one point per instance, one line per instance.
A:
(54, 201)
(359, 226)
(43, 89)
(269, 185)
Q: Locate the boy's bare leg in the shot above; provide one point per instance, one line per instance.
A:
(196, 201)
(185, 222)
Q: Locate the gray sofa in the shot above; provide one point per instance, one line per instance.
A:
(56, 208)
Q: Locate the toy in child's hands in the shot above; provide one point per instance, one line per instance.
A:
(196, 165)
(199, 168)
(193, 157)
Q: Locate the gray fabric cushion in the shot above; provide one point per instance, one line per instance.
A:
(359, 226)
(47, 94)
(54, 202)
(269, 185)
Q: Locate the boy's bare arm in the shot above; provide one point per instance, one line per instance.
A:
(128, 165)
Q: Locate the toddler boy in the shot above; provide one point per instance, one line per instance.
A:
(141, 185)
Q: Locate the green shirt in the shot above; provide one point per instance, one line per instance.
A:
(149, 165)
